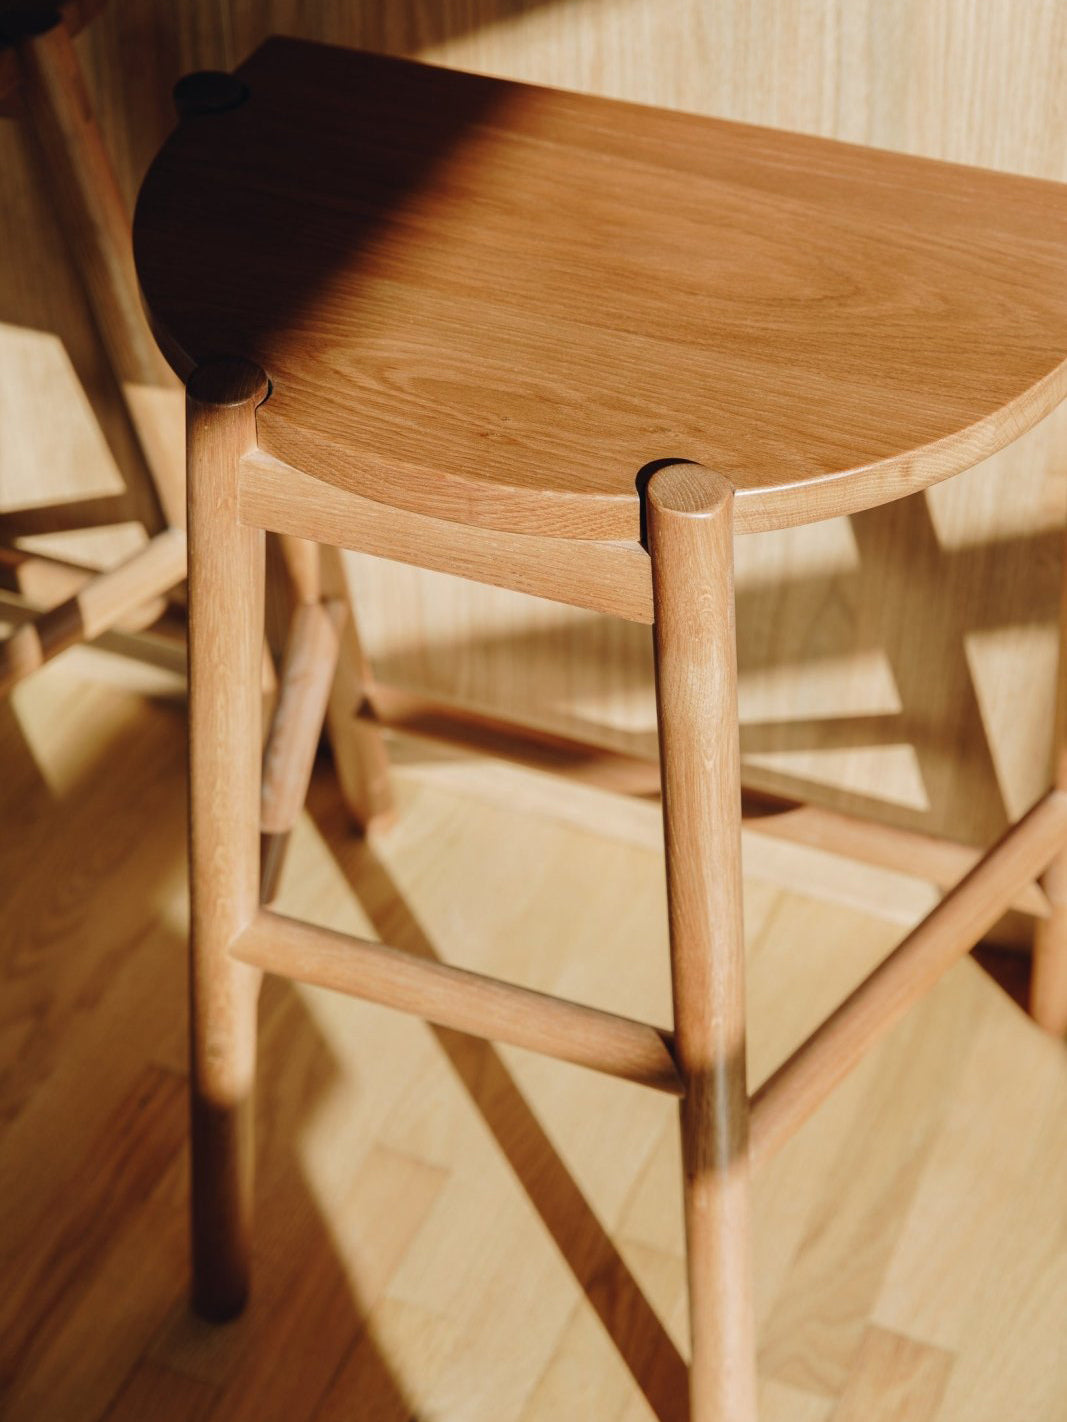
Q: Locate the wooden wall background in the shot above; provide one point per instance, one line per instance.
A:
(900, 660)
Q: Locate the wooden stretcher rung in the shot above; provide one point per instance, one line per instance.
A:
(99, 605)
(40, 578)
(937, 861)
(289, 756)
(463, 1000)
(428, 718)
(790, 1096)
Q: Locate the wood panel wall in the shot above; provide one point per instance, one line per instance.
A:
(898, 661)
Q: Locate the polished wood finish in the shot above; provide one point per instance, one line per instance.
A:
(400, 1262)
(226, 571)
(359, 751)
(398, 193)
(953, 748)
(1048, 984)
(307, 675)
(79, 177)
(922, 856)
(795, 1090)
(307, 671)
(468, 1002)
(42, 582)
(24, 19)
(690, 536)
(94, 217)
(41, 578)
(100, 604)
(601, 577)
(411, 713)
(303, 566)
(322, 179)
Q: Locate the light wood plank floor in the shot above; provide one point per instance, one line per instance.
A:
(451, 1231)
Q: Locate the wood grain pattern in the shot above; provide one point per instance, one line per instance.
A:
(453, 997)
(226, 586)
(964, 915)
(690, 539)
(397, 1256)
(612, 577)
(904, 705)
(80, 177)
(690, 532)
(1048, 986)
(939, 861)
(514, 335)
(306, 676)
(308, 671)
(100, 604)
(896, 1377)
(360, 757)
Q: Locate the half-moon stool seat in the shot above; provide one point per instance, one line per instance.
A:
(570, 347)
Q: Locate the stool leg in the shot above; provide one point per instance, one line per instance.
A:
(359, 750)
(226, 578)
(360, 758)
(1048, 984)
(77, 171)
(690, 535)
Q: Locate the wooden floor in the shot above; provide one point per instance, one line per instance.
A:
(453, 1232)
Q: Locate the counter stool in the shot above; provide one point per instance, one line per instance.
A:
(42, 84)
(570, 347)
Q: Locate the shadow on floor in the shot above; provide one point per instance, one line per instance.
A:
(588, 1250)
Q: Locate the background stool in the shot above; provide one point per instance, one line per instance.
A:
(41, 79)
(780, 337)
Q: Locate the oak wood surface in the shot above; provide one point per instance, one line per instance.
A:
(360, 757)
(939, 861)
(80, 177)
(103, 601)
(19, 19)
(226, 593)
(1048, 988)
(398, 1259)
(611, 577)
(496, 304)
(467, 1002)
(691, 539)
(787, 1099)
(306, 675)
(881, 658)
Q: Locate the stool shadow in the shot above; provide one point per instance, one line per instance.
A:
(114, 1196)
(304, 1302)
(882, 605)
(588, 1250)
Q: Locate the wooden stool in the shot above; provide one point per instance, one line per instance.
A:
(569, 347)
(41, 80)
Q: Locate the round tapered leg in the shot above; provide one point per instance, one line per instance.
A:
(77, 171)
(1048, 983)
(359, 750)
(226, 573)
(690, 535)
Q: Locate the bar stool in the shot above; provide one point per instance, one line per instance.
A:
(570, 347)
(41, 82)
